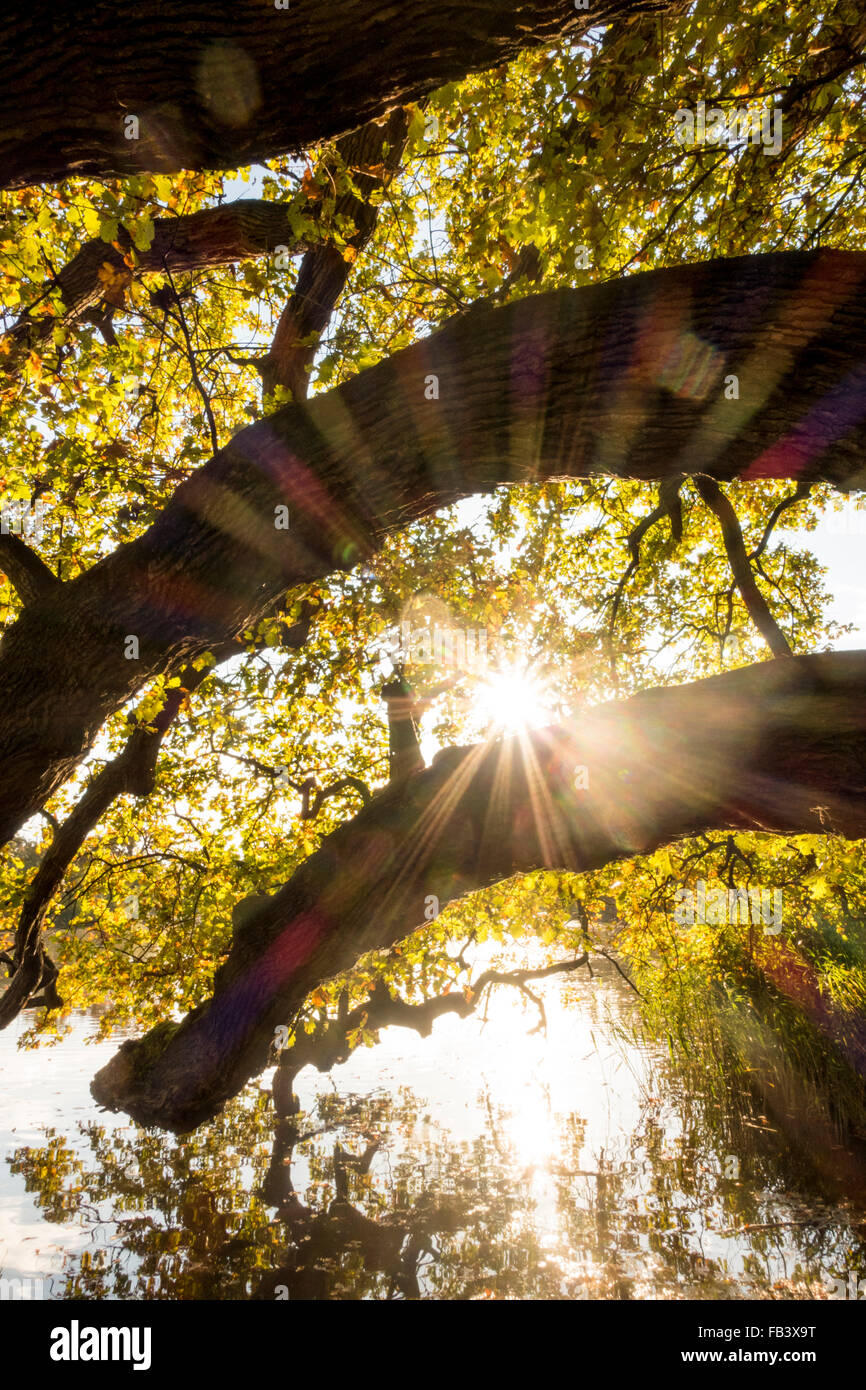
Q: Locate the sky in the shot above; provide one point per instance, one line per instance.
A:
(839, 543)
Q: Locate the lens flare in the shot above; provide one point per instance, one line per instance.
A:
(512, 700)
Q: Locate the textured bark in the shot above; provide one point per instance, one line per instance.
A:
(226, 83)
(132, 772)
(29, 576)
(576, 383)
(779, 747)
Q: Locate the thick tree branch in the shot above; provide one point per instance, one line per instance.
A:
(132, 772)
(217, 236)
(780, 747)
(29, 575)
(331, 1043)
(801, 491)
(372, 156)
(756, 605)
(233, 82)
(525, 393)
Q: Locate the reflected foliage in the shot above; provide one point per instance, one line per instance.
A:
(367, 1196)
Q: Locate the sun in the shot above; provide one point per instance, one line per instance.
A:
(512, 700)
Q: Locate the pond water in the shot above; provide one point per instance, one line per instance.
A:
(486, 1161)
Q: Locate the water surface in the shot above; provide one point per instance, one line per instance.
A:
(489, 1160)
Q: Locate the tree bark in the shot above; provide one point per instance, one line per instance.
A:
(132, 772)
(29, 576)
(231, 82)
(779, 747)
(571, 384)
(732, 536)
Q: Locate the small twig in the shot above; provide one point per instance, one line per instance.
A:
(193, 369)
(667, 506)
(803, 489)
(616, 965)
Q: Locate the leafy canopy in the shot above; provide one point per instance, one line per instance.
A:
(569, 151)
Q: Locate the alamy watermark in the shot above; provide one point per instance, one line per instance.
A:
(24, 1289)
(77, 1343)
(454, 648)
(18, 517)
(852, 1288)
(428, 634)
(758, 125)
(737, 906)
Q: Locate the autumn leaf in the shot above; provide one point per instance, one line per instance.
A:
(309, 187)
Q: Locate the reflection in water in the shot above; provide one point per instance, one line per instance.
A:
(513, 1166)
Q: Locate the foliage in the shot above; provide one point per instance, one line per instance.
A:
(565, 149)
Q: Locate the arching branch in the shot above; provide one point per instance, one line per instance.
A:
(132, 772)
(235, 82)
(331, 1043)
(372, 156)
(801, 491)
(524, 395)
(745, 750)
(215, 236)
(756, 605)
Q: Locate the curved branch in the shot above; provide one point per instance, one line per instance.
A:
(372, 156)
(779, 746)
(132, 772)
(341, 785)
(236, 82)
(801, 491)
(525, 393)
(756, 605)
(331, 1044)
(633, 541)
(215, 236)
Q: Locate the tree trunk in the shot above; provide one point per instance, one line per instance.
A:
(777, 747)
(612, 379)
(104, 89)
